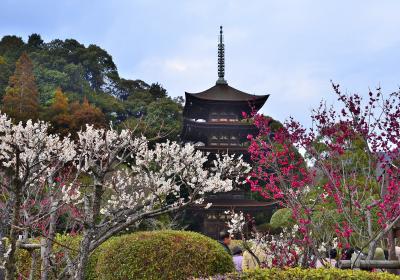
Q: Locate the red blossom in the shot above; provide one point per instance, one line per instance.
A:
(369, 126)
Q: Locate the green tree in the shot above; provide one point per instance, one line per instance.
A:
(21, 99)
(160, 118)
(35, 41)
(157, 91)
(11, 48)
(90, 71)
(98, 65)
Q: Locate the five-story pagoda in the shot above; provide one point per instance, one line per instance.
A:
(213, 121)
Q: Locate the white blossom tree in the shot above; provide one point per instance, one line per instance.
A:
(131, 182)
(115, 180)
(29, 156)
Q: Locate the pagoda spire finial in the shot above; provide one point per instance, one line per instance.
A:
(221, 58)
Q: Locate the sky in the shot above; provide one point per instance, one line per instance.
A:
(290, 49)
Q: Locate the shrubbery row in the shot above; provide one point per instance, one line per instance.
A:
(307, 274)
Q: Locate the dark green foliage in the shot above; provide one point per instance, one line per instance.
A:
(267, 228)
(157, 91)
(161, 255)
(163, 116)
(35, 41)
(11, 48)
(89, 72)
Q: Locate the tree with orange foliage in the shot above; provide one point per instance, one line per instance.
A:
(21, 100)
(58, 114)
(86, 113)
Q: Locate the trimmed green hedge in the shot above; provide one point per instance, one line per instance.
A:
(282, 218)
(309, 274)
(143, 255)
(161, 255)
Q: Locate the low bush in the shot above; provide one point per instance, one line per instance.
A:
(282, 218)
(309, 274)
(298, 273)
(162, 255)
(268, 228)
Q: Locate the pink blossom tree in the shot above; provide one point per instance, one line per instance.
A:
(348, 169)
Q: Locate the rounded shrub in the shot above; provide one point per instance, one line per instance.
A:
(282, 218)
(161, 255)
(90, 270)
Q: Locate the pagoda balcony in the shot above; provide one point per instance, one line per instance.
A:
(223, 149)
(237, 124)
(206, 132)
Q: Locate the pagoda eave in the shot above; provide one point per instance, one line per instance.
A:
(201, 108)
(220, 125)
(250, 98)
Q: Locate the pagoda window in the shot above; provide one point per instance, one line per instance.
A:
(223, 117)
(223, 140)
(212, 216)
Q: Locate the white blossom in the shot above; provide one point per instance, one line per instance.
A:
(39, 153)
(165, 170)
(208, 205)
(236, 222)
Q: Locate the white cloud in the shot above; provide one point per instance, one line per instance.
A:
(288, 48)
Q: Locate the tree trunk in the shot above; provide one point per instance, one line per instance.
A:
(79, 273)
(33, 265)
(87, 236)
(365, 264)
(98, 194)
(371, 250)
(372, 246)
(392, 251)
(2, 251)
(13, 236)
(92, 212)
(48, 245)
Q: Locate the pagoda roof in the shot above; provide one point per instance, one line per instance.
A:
(224, 92)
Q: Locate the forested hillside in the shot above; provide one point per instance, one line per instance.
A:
(70, 84)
